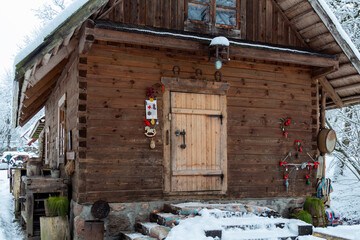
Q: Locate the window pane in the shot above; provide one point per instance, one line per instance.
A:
(198, 12)
(228, 3)
(226, 17)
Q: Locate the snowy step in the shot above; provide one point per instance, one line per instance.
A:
(134, 236)
(152, 229)
(193, 208)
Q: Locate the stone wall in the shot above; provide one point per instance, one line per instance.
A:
(122, 216)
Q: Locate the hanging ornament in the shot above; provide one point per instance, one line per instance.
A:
(150, 132)
(151, 109)
(286, 185)
(152, 144)
(152, 121)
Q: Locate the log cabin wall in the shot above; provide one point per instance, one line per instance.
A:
(68, 85)
(119, 166)
(257, 20)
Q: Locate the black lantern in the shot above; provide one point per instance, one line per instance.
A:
(219, 51)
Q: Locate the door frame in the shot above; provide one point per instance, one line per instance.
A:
(191, 86)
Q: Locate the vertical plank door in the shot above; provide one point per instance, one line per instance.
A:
(196, 138)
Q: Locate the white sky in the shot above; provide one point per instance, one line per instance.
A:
(16, 21)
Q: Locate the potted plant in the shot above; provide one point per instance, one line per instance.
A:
(57, 206)
(55, 172)
(56, 225)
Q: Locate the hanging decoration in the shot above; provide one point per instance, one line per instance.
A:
(150, 116)
(296, 166)
(298, 146)
(285, 122)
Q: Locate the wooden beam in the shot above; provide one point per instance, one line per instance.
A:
(346, 46)
(322, 122)
(242, 50)
(53, 62)
(28, 113)
(322, 72)
(351, 78)
(331, 92)
(347, 87)
(34, 90)
(40, 90)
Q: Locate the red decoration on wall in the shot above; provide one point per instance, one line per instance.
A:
(147, 123)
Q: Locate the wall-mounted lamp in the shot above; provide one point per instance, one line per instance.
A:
(219, 51)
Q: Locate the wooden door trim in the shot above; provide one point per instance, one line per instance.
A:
(192, 86)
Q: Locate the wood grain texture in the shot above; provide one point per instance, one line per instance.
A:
(257, 94)
(256, 20)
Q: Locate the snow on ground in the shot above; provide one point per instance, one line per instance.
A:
(345, 198)
(349, 232)
(193, 228)
(9, 229)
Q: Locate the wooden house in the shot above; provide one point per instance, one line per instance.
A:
(218, 132)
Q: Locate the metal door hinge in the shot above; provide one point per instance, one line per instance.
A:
(218, 116)
(215, 175)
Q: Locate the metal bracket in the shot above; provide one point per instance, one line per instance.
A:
(218, 116)
(215, 175)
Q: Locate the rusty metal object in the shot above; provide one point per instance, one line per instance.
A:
(94, 230)
(218, 76)
(100, 209)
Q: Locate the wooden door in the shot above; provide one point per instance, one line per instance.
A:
(196, 130)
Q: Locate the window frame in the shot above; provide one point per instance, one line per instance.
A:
(61, 136)
(212, 11)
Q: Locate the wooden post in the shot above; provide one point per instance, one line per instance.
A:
(322, 121)
(29, 214)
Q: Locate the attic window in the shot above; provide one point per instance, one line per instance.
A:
(222, 12)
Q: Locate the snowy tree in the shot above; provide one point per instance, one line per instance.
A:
(348, 14)
(346, 121)
(49, 10)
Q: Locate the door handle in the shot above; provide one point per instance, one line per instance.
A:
(183, 133)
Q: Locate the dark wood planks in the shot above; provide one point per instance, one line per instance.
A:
(117, 151)
(259, 20)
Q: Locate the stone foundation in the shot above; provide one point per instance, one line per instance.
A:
(122, 216)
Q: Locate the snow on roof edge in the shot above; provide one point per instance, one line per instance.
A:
(48, 30)
(341, 31)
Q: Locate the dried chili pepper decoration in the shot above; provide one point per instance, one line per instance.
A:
(150, 93)
(316, 164)
(147, 123)
(286, 176)
(298, 146)
(287, 122)
(307, 179)
(284, 123)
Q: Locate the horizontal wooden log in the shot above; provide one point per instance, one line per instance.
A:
(192, 45)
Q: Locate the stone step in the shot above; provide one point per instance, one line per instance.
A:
(152, 229)
(168, 219)
(303, 230)
(134, 236)
(193, 208)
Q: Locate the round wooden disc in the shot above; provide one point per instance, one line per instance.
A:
(100, 209)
